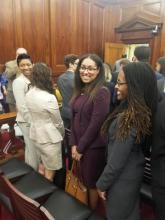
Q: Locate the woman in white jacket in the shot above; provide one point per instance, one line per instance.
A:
(46, 126)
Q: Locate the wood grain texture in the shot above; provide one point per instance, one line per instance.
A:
(50, 29)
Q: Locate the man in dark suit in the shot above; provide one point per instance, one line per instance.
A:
(66, 84)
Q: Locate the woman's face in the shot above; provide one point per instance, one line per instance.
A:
(25, 67)
(88, 70)
(121, 86)
(158, 66)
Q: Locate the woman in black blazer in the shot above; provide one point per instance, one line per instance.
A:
(129, 128)
(158, 162)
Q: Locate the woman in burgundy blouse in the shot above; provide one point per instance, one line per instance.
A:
(90, 106)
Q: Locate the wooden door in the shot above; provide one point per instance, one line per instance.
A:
(113, 52)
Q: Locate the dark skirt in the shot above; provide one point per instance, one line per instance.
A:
(91, 166)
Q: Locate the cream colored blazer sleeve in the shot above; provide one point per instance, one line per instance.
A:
(53, 109)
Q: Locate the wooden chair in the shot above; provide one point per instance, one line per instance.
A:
(5, 198)
(60, 205)
(15, 168)
(33, 185)
(24, 207)
(63, 206)
(10, 163)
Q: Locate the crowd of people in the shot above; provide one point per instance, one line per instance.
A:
(114, 115)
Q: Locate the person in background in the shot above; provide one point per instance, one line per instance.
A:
(11, 72)
(108, 72)
(20, 88)
(117, 63)
(3, 93)
(160, 69)
(142, 53)
(66, 84)
(129, 128)
(90, 106)
(160, 65)
(46, 125)
(122, 63)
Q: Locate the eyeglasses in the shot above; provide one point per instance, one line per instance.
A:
(120, 83)
(89, 69)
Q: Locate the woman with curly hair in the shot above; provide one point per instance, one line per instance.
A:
(129, 128)
(46, 125)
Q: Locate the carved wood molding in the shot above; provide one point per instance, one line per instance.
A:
(139, 22)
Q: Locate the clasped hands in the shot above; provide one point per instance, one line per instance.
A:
(75, 154)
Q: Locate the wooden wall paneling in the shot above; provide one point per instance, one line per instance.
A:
(112, 18)
(49, 29)
(2, 68)
(153, 7)
(60, 24)
(80, 26)
(152, 10)
(136, 37)
(47, 36)
(148, 9)
(129, 11)
(7, 31)
(96, 43)
(162, 34)
(35, 29)
(155, 49)
(18, 24)
(113, 52)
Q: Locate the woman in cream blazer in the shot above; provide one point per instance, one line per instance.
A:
(46, 125)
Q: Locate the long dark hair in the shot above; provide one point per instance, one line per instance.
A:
(41, 77)
(92, 88)
(139, 108)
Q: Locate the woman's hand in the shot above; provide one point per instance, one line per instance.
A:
(78, 156)
(102, 194)
(74, 151)
(75, 154)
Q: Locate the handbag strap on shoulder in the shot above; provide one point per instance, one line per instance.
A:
(74, 166)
